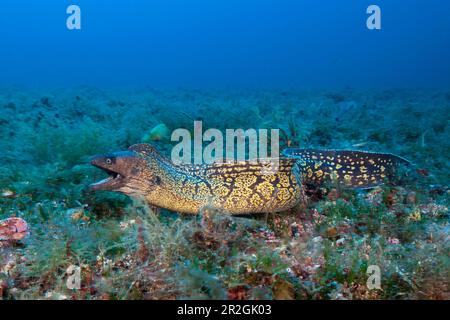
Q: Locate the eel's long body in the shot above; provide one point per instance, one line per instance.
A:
(243, 187)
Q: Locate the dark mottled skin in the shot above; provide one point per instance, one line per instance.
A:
(357, 169)
(243, 187)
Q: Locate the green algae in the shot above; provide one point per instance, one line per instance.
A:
(128, 251)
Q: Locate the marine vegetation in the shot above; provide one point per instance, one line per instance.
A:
(317, 244)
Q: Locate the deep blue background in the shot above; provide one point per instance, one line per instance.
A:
(217, 43)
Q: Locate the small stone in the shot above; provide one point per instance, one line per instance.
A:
(126, 224)
(415, 215)
(332, 232)
(411, 198)
(317, 239)
(393, 240)
(77, 214)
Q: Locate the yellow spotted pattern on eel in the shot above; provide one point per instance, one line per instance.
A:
(266, 189)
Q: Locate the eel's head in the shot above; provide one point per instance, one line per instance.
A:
(123, 168)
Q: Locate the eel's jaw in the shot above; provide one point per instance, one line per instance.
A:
(114, 182)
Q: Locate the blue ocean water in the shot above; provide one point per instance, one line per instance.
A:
(226, 43)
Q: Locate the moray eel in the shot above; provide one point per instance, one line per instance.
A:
(242, 187)
(356, 169)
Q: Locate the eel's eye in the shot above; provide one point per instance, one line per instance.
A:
(108, 161)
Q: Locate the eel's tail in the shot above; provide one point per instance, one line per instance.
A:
(357, 169)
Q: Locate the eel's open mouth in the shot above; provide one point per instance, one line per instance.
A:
(118, 166)
(113, 182)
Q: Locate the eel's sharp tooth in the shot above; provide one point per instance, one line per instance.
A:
(101, 182)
